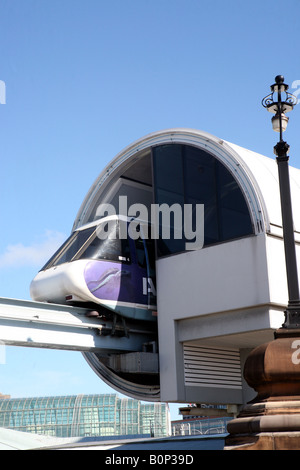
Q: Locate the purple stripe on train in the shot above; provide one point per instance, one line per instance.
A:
(115, 281)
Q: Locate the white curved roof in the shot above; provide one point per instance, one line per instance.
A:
(256, 174)
(265, 172)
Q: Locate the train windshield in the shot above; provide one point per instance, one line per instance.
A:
(86, 244)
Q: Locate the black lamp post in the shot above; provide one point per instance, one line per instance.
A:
(272, 419)
(284, 104)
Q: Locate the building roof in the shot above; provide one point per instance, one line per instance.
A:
(264, 173)
(256, 173)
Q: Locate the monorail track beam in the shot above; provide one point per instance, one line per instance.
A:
(43, 325)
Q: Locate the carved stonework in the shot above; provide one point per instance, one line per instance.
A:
(272, 420)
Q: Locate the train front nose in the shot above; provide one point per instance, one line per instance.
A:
(49, 286)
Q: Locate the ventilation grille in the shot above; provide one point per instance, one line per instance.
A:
(212, 367)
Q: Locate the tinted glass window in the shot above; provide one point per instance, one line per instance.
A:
(201, 188)
(85, 244)
(145, 254)
(234, 214)
(110, 248)
(168, 176)
(169, 189)
(187, 175)
(79, 240)
(70, 247)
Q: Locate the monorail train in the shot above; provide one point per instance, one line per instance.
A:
(97, 266)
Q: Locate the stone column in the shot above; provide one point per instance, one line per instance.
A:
(272, 420)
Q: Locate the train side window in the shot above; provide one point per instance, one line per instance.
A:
(69, 249)
(110, 248)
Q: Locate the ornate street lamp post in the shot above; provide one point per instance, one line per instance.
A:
(284, 103)
(272, 419)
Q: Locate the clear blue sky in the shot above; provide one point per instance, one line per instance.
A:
(85, 78)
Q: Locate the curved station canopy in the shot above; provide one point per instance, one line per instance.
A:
(219, 296)
(130, 173)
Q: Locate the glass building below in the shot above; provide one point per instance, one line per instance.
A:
(85, 416)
